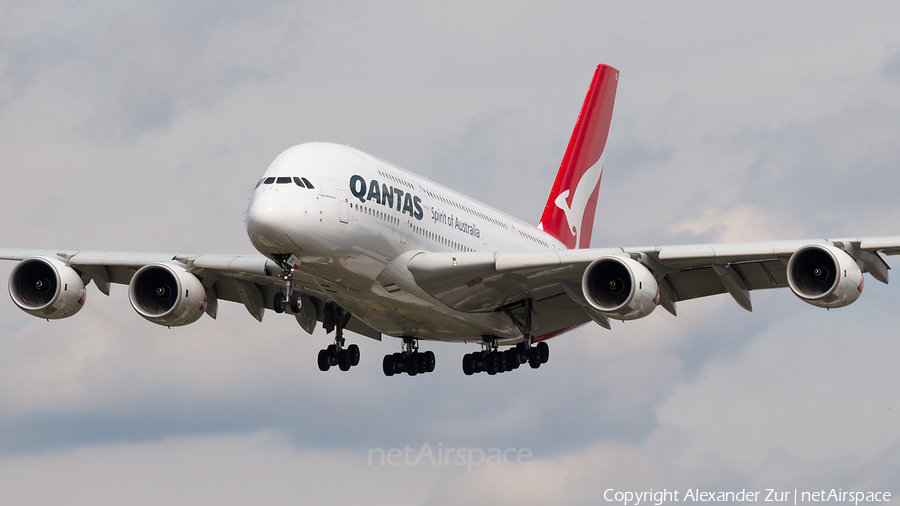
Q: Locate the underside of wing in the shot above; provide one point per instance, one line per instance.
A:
(619, 282)
(251, 280)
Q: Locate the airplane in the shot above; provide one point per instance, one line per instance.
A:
(361, 245)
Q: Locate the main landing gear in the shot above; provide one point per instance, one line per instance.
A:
(409, 361)
(334, 318)
(335, 354)
(491, 360)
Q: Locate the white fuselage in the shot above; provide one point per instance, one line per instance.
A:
(364, 218)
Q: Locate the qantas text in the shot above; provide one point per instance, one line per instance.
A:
(385, 195)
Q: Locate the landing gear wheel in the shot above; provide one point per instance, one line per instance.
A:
(534, 360)
(411, 364)
(543, 352)
(353, 353)
(387, 365)
(512, 359)
(491, 364)
(420, 363)
(478, 362)
(521, 353)
(295, 302)
(501, 361)
(429, 361)
(324, 360)
(469, 364)
(344, 360)
(278, 302)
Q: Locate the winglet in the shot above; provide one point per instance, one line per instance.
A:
(569, 212)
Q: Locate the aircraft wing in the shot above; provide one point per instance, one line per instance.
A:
(487, 281)
(251, 280)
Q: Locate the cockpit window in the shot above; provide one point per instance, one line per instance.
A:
(298, 182)
(259, 183)
(308, 184)
(283, 180)
(269, 180)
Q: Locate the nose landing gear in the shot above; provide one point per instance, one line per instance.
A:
(292, 300)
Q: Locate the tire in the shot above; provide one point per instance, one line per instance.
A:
(543, 352)
(534, 360)
(387, 365)
(324, 363)
(429, 361)
(344, 360)
(501, 361)
(353, 352)
(512, 359)
(468, 364)
(521, 354)
(420, 362)
(490, 363)
(278, 302)
(411, 364)
(295, 302)
(399, 365)
(478, 363)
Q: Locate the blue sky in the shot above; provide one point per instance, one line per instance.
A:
(145, 127)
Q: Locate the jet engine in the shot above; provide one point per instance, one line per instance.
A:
(167, 294)
(620, 288)
(824, 276)
(47, 288)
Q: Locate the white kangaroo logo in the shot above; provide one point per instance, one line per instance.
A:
(583, 191)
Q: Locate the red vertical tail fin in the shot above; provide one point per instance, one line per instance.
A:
(569, 213)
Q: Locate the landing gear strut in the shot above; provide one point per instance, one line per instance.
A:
(492, 361)
(409, 360)
(335, 354)
(292, 300)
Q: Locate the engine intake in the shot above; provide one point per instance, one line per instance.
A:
(47, 288)
(167, 294)
(824, 276)
(620, 288)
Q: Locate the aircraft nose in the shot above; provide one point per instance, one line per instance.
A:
(266, 221)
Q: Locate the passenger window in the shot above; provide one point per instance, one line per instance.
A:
(307, 183)
(298, 182)
(283, 180)
(269, 180)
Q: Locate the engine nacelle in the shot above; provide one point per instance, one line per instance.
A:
(167, 294)
(47, 288)
(620, 288)
(824, 276)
